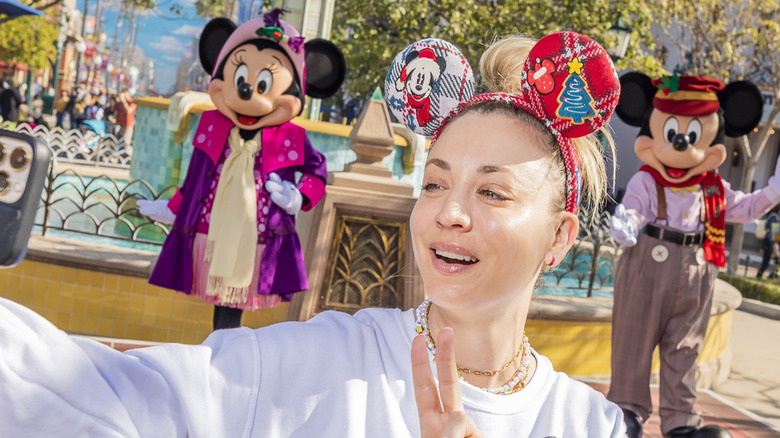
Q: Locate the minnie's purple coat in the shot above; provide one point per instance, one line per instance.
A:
(285, 149)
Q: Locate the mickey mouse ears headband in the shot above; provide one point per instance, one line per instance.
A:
(569, 84)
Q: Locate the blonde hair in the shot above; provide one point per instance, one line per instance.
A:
(500, 67)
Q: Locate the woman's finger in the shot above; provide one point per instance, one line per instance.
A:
(425, 392)
(459, 425)
(447, 370)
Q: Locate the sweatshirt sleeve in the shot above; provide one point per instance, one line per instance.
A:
(747, 207)
(52, 384)
(640, 199)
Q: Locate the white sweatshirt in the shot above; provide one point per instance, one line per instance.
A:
(336, 376)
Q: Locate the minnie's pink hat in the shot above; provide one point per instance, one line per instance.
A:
(273, 28)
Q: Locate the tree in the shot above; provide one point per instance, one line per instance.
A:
(729, 41)
(29, 39)
(371, 32)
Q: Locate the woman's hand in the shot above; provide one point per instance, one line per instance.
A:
(445, 418)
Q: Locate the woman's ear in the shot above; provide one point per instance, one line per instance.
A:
(636, 97)
(565, 236)
(325, 68)
(211, 41)
(742, 107)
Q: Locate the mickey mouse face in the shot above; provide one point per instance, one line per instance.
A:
(681, 146)
(252, 93)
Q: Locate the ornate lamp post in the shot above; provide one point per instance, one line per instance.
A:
(621, 34)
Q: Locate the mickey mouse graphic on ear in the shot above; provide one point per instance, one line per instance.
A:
(233, 241)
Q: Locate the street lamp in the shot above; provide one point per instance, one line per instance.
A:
(621, 33)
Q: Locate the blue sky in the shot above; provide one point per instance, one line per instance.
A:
(164, 37)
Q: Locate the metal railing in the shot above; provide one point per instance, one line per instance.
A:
(590, 263)
(78, 146)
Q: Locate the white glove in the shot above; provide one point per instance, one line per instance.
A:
(284, 194)
(622, 228)
(156, 210)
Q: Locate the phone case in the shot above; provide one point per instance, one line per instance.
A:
(24, 163)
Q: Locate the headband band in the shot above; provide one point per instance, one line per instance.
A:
(569, 84)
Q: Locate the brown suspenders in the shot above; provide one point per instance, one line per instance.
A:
(661, 215)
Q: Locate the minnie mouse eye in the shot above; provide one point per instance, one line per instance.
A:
(670, 128)
(694, 131)
(241, 75)
(265, 80)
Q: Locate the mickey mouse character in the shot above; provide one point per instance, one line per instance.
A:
(418, 77)
(672, 222)
(233, 242)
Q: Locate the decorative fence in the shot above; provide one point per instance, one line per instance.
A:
(104, 207)
(590, 263)
(80, 146)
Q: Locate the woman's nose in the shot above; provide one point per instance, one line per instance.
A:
(453, 215)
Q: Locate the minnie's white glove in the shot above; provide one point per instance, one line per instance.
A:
(622, 228)
(156, 210)
(284, 194)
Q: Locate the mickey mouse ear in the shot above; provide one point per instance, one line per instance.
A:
(426, 81)
(571, 83)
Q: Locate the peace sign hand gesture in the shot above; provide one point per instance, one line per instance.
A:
(446, 418)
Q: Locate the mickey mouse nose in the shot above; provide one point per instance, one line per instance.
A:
(680, 142)
(245, 91)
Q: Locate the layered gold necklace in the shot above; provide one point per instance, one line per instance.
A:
(519, 378)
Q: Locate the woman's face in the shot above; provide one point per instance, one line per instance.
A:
(484, 222)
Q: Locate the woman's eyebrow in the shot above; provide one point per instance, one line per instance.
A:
(438, 163)
(487, 168)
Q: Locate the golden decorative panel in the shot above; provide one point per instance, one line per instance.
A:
(364, 264)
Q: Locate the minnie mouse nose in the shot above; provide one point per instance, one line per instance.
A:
(245, 91)
(680, 142)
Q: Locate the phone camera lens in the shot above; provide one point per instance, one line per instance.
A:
(4, 183)
(2, 152)
(19, 158)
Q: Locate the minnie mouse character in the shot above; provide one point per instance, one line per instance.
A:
(233, 242)
(672, 222)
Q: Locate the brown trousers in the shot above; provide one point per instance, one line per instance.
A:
(665, 304)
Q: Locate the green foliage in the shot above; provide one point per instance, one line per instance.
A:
(724, 39)
(767, 291)
(30, 40)
(371, 32)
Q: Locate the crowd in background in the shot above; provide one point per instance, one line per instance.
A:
(93, 111)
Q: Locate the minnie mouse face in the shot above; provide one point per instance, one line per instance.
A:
(680, 147)
(261, 68)
(253, 90)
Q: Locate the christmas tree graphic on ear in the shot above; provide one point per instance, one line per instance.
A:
(576, 102)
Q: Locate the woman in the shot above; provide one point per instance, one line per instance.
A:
(499, 201)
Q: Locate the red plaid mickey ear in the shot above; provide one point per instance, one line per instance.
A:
(427, 80)
(570, 83)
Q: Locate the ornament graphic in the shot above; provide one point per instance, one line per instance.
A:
(576, 103)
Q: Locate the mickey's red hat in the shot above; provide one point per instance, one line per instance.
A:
(687, 95)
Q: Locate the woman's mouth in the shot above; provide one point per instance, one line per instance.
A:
(451, 257)
(675, 173)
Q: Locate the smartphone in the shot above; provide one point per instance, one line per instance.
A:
(24, 163)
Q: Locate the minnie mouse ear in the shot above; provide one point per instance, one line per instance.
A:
(570, 83)
(426, 81)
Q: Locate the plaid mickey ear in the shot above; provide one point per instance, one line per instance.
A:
(570, 83)
(426, 81)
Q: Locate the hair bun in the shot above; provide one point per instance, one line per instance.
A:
(426, 81)
(570, 83)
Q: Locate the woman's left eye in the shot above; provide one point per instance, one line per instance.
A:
(265, 80)
(491, 195)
